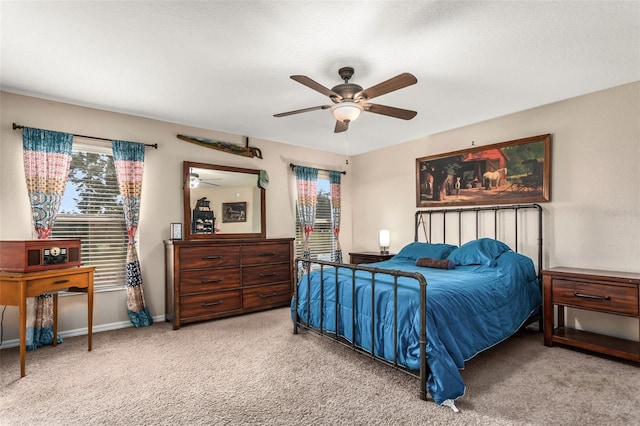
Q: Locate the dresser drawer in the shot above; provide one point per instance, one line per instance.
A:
(599, 297)
(256, 275)
(265, 253)
(268, 295)
(209, 257)
(203, 280)
(209, 303)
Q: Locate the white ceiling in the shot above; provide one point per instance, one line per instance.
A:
(225, 65)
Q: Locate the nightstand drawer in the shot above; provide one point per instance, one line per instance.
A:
(598, 297)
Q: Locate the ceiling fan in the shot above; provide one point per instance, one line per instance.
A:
(349, 100)
(195, 180)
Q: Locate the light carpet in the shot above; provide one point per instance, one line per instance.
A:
(252, 370)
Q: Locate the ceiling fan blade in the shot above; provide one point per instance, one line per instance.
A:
(298, 111)
(303, 79)
(341, 127)
(404, 114)
(395, 83)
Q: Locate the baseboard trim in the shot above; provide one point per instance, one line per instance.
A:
(83, 331)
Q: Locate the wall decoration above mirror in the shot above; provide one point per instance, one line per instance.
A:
(222, 202)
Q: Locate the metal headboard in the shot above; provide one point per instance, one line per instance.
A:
(479, 219)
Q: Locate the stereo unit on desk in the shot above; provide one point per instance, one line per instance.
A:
(39, 255)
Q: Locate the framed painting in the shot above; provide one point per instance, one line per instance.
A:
(234, 212)
(516, 171)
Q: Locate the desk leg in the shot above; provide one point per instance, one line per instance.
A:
(90, 311)
(23, 329)
(55, 319)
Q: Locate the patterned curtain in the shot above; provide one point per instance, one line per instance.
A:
(129, 163)
(307, 190)
(334, 180)
(47, 159)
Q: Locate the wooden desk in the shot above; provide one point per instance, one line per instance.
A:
(16, 287)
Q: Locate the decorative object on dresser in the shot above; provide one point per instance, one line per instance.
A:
(369, 257)
(220, 278)
(39, 255)
(610, 292)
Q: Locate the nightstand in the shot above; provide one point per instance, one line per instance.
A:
(369, 257)
(610, 292)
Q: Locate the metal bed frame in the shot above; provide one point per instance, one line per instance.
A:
(423, 220)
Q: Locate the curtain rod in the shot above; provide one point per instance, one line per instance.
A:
(154, 146)
(293, 166)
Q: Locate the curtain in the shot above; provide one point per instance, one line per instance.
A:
(307, 191)
(334, 180)
(47, 159)
(129, 164)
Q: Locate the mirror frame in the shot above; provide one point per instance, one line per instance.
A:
(186, 189)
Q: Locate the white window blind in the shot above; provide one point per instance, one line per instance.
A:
(91, 210)
(322, 242)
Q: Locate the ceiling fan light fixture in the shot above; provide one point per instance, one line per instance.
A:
(346, 111)
(194, 180)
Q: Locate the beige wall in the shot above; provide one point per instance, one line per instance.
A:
(161, 192)
(593, 219)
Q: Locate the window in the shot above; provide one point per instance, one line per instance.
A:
(323, 242)
(91, 210)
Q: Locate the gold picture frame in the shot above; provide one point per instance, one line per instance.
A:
(517, 171)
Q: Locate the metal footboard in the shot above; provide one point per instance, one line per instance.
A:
(321, 266)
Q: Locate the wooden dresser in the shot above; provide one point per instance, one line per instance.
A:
(615, 293)
(208, 279)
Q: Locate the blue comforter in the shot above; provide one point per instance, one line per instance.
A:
(469, 309)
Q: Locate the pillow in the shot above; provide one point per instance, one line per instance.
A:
(416, 250)
(483, 251)
(430, 262)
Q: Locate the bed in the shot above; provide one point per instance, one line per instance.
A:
(478, 288)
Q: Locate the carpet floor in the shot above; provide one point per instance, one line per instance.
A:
(252, 370)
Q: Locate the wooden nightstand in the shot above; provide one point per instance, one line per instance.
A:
(369, 257)
(610, 292)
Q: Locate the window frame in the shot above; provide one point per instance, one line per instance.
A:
(109, 279)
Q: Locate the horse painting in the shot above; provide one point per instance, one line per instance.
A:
(494, 178)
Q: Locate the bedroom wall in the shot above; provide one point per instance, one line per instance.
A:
(593, 219)
(161, 193)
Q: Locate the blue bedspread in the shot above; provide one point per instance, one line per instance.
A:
(469, 309)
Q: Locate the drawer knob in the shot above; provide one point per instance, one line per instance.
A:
(219, 302)
(264, 296)
(591, 296)
(61, 282)
(211, 257)
(270, 253)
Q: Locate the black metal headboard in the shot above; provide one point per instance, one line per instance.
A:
(517, 225)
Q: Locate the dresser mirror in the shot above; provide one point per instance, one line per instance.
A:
(222, 202)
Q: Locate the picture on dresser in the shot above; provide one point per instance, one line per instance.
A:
(234, 212)
(510, 172)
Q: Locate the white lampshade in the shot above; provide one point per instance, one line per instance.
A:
(346, 111)
(384, 238)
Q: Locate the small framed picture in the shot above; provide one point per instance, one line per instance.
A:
(176, 231)
(234, 212)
